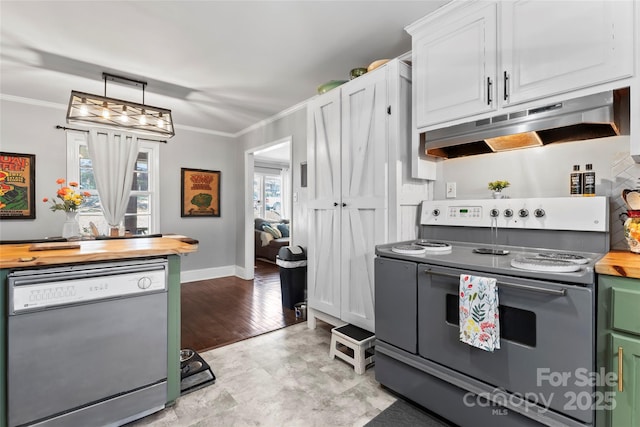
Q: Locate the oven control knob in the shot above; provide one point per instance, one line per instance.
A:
(539, 213)
(493, 213)
(436, 212)
(508, 213)
(523, 213)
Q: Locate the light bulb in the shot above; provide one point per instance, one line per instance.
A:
(83, 108)
(160, 122)
(105, 110)
(124, 118)
(143, 117)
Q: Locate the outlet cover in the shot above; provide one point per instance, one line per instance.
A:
(451, 190)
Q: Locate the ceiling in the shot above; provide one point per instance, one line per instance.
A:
(220, 66)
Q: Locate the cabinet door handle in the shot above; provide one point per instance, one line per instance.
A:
(506, 86)
(620, 373)
(489, 84)
(335, 204)
(344, 205)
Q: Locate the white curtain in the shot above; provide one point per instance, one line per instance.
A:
(113, 156)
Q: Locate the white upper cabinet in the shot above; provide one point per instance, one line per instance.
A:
(550, 48)
(454, 61)
(474, 57)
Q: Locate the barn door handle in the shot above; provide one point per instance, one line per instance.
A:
(344, 205)
(335, 204)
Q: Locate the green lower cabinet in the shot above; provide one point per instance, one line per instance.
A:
(627, 409)
(618, 327)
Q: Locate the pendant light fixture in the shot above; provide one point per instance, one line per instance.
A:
(96, 110)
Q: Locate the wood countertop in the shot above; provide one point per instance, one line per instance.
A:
(32, 255)
(620, 263)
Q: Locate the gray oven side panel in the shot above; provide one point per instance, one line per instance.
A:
(73, 356)
(396, 294)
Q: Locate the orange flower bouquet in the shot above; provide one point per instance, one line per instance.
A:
(70, 197)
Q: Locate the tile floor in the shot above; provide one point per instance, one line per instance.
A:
(283, 378)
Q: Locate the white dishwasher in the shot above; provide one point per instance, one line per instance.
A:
(87, 343)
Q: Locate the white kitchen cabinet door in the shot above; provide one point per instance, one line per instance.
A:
(555, 47)
(364, 193)
(454, 66)
(324, 206)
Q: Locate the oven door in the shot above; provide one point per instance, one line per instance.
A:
(546, 350)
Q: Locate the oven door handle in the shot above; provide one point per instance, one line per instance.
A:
(556, 292)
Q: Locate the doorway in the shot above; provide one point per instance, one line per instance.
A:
(268, 192)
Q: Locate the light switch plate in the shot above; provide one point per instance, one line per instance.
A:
(451, 190)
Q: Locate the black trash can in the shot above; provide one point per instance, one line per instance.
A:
(293, 274)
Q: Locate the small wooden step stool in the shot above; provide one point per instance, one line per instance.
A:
(349, 339)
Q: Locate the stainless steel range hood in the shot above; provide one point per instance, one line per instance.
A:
(594, 116)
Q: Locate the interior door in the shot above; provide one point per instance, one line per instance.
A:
(364, 193)
(323, 174)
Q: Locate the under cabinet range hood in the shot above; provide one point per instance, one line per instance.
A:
(594, 116)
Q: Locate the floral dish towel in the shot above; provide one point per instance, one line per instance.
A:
(479, 321)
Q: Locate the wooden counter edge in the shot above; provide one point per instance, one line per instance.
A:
(620, 263)
(19, 256)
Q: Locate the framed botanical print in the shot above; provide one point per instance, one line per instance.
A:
(200, 193)
(17, 186)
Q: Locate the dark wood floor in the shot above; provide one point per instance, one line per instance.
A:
(222, 311)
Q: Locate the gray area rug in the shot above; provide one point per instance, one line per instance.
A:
(404, 414)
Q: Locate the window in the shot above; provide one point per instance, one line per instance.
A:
(142, 215)
(267, 196)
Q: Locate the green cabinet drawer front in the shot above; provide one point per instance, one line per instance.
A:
(626, 310)
(627, 409)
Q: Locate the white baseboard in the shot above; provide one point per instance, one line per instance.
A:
(214, 273)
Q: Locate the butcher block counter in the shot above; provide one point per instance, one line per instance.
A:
(44, 254)
(620, 263)
(29, 255)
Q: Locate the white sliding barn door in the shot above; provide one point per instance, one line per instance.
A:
(323, 151)
(364, 193)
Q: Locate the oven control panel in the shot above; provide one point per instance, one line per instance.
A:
(465, 212)
(557, 213)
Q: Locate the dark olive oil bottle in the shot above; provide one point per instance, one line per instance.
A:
(576, 181)
(589, 181)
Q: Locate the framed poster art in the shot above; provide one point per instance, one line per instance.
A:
(200, 193)
(17, 186)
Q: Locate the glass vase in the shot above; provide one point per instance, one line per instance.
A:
(71, 228)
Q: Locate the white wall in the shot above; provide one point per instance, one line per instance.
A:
(293, 124)
(544, 172)
(30, 129)
(532, 172)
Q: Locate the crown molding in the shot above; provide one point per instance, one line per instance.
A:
(31, 101)
(273, 118)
